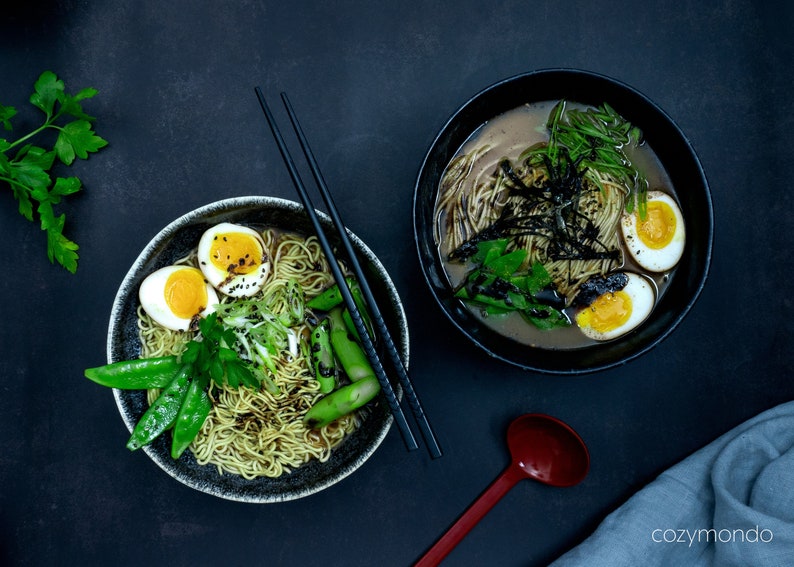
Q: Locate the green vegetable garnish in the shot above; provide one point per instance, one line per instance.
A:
(499, 286)
(332, 297)
(140, 374)
(183, 402)
(162, 413)
(322, 357)
(213, 356)
(191, 417)
(27, 171)
(364, 384)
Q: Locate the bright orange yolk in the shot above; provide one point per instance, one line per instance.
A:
(236, 252)
(186, 292)
(658, 228)
(606, 313)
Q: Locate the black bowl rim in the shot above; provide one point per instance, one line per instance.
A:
(164, 461)
(554, 73)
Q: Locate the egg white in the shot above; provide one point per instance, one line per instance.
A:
(642, 296)
(655, 259)
(224, 279)
(153, 299)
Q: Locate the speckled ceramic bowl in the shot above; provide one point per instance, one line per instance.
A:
(174, 242)
(676, 155)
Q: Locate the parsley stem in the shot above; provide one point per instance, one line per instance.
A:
(48, 123)
(14, 183)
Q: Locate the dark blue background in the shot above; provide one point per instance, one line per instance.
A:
(373, 83)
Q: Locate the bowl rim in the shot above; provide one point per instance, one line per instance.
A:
(565, 74)
(128, 289)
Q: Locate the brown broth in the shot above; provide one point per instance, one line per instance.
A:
(509, 134)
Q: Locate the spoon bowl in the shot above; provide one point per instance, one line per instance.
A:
(542, 448)
(547, 450)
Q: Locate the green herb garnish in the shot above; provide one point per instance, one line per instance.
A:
(213, 356)
(27, 171)
(594, 139)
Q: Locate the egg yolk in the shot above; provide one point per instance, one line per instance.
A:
(236, 252)
(186, 293)
(658, 228)
(607, 312)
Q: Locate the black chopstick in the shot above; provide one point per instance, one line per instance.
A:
(402, 372)
(369, 347)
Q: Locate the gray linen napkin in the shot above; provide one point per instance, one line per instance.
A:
(729, 504)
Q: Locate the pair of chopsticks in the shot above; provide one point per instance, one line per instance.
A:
(377, 318)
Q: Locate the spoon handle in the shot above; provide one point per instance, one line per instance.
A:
(503, 483)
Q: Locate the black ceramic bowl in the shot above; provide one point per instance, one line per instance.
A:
(677, 157)
(174, 242)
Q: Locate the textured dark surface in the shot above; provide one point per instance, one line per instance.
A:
(373, 83)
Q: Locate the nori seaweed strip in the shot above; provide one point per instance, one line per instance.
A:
(571, 235)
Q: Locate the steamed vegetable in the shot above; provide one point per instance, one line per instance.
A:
(332, 297)
(350, 354)
(329, 298)
(499, 285)
(25, 167)
(341, 402)
(323, 357)
(162, 413)
(364, 386)
(143, 373)
(192, 414)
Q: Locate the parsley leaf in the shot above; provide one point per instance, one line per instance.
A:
(6, 114)
(27, 172)
(77, 139)
(213, 357)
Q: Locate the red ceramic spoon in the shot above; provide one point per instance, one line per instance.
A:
(542, 448)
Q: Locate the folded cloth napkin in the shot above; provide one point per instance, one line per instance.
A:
(730, 503)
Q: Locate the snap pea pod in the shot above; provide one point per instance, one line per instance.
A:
(332, 297)
(329, 298)
(162, 413)
(358, 298)
(323, 357)
(139, 374)
(341, 402)
(350, 354)
(364, 386)
(506, 265)
(191, 417)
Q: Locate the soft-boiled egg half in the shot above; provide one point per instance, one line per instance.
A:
(233, 259)
(656, 242)
(175, 296)
(615, 313)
